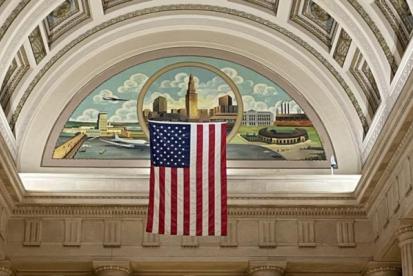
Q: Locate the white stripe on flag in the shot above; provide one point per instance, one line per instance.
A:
(192, 181)
(217, 180)
(168, 200)
(180, 205)
(205, 180)
(155, 228)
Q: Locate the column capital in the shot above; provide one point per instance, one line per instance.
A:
(111, 268)
(405, 233)
(266, 268)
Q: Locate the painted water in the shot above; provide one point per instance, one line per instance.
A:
(96, 148)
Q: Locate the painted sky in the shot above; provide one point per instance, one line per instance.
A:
(258, 92)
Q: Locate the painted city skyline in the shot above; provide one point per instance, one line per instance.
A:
(105, 124)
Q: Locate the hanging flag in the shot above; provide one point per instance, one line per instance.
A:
(188, 181)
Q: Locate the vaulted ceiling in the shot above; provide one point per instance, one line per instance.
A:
(348, 59)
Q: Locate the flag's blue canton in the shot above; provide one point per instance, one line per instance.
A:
(170, 144)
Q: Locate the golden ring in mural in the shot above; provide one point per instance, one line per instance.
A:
(166, 69)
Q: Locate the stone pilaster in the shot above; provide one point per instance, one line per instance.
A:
(405, 235)
(103, 268)
(265, 268)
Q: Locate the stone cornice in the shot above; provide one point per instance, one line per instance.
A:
(140, 211)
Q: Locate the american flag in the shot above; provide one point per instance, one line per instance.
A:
(188, 181)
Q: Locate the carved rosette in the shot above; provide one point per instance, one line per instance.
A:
(111, 270)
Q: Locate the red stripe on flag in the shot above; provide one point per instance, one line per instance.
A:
(161, 200)
(149, 224)
(174, 200)
(211, 180)
(223, 180)
(199, 183)
(186, 201)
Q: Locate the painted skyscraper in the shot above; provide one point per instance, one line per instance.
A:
(102, 123)
(160, 105)
(191, 100)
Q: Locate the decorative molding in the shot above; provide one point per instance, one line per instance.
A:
(377, 33)
(66, 16)
(345, 234)
(375, 129)
(13, 15)
(405, 134)
(266, 234)
(379, 124)
(32, 232)
(16, 71)
(107, 4)
(191, 7)
(140, 211)
(72, 232)
(401, 28)
(389, 149)
(362, 73)
(231, 240)
(271, 5)
(306, 233)
(189, 241)
(37, 44)
(7, 136)
(315, 20)
(404, 229)
(112, 233)
(342, 47)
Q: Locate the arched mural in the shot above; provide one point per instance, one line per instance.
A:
(266, 123)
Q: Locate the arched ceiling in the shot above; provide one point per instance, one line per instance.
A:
(347, 58)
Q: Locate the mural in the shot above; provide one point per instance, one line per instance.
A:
(265, 122)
